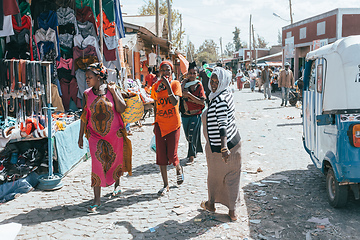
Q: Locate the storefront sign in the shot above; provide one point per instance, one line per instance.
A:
(319, 43)
(289, 50)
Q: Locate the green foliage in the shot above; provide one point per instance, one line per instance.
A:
(261, 43)
(150, 9)
(229, 49)
(236, 39)
(207, 52)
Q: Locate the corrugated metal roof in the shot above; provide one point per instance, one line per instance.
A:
(148, 22)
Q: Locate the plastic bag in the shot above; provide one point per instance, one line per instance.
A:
(153, 144)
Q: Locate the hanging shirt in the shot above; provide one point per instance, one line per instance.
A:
(85, 15)
(65, 63)
(82, 43)
(42, 35)
(7, 27)
(108, 8)
(10, 7)
(66, 40)
(152, 59)
(86, 29)
(66, 15)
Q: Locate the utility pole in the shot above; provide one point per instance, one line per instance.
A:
(101, 30)
(157, 18)
(250, 42)
(180, 30)
(222, 59)
(253, 34)
(291, 16)
(169, 19)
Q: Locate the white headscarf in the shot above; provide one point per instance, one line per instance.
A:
(224, 77)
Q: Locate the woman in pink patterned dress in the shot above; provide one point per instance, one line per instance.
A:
(102, 124)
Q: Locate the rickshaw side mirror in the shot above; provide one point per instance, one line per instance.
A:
(325, 119)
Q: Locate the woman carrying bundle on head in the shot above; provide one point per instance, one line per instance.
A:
(191, 106)
(101, 122)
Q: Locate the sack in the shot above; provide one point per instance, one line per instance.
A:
(153, 144)
(134, 109)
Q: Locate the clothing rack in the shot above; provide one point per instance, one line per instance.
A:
(51, 181)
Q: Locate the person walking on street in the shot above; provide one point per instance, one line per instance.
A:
(102, 124)
(286, 81)
(166, 93)
(252, 75)
(223, 145)
(238, 78)
(150, 78)
(191, 106)
(204, 75)
(266, 76)
(258, 71)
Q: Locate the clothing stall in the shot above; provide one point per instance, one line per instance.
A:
(45, 49)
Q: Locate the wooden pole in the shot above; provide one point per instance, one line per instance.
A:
(222, 58)
(250, 42)
(101, 32)
(253, 34)
(169, 19)
(157, 18)
(180, 30)
(291, 16)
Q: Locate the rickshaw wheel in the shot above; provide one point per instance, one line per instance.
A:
(337, 194)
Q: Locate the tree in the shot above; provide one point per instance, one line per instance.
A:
(261, 43)
(279, 37)
(207, 52)
(236, 39)
(229, 49)
(190, 51)
(150, 9)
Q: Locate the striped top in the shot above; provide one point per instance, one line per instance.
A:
(221, 121)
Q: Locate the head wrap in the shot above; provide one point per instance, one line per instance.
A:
(99, 69)
(224, 77)
(167, 63)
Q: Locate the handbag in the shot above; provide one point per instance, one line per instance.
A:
(134, 109)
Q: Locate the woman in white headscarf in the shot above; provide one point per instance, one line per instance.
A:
(223, 145)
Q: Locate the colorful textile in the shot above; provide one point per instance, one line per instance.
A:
(108, 26)
(188, 106)
(167, 115)
(108, 148)
(118, 19)
(84, 62)
(85, 14)
(134, 109)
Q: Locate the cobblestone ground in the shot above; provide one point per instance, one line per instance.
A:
(279, 208)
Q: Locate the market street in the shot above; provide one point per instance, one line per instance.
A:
(278, 208)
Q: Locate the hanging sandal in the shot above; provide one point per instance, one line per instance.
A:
(180, 177)
(93, 208)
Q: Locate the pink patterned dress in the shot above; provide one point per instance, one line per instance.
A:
(104, 125)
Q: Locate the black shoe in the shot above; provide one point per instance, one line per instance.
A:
(282, 105)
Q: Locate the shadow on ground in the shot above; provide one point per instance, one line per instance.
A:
(109, 204)
(171, 229)
(280, 206)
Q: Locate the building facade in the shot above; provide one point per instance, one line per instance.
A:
(304, 36)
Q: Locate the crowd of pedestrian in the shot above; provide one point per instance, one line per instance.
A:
(202, 99)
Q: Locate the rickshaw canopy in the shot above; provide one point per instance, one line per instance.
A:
(341, 75)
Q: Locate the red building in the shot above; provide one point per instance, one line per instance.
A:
(301, 37)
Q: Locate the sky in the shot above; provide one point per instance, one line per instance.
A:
(212, 19)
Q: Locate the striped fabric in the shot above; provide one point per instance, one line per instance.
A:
(221, 121)
(118, 19)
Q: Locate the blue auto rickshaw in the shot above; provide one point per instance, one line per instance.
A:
(331, 116)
